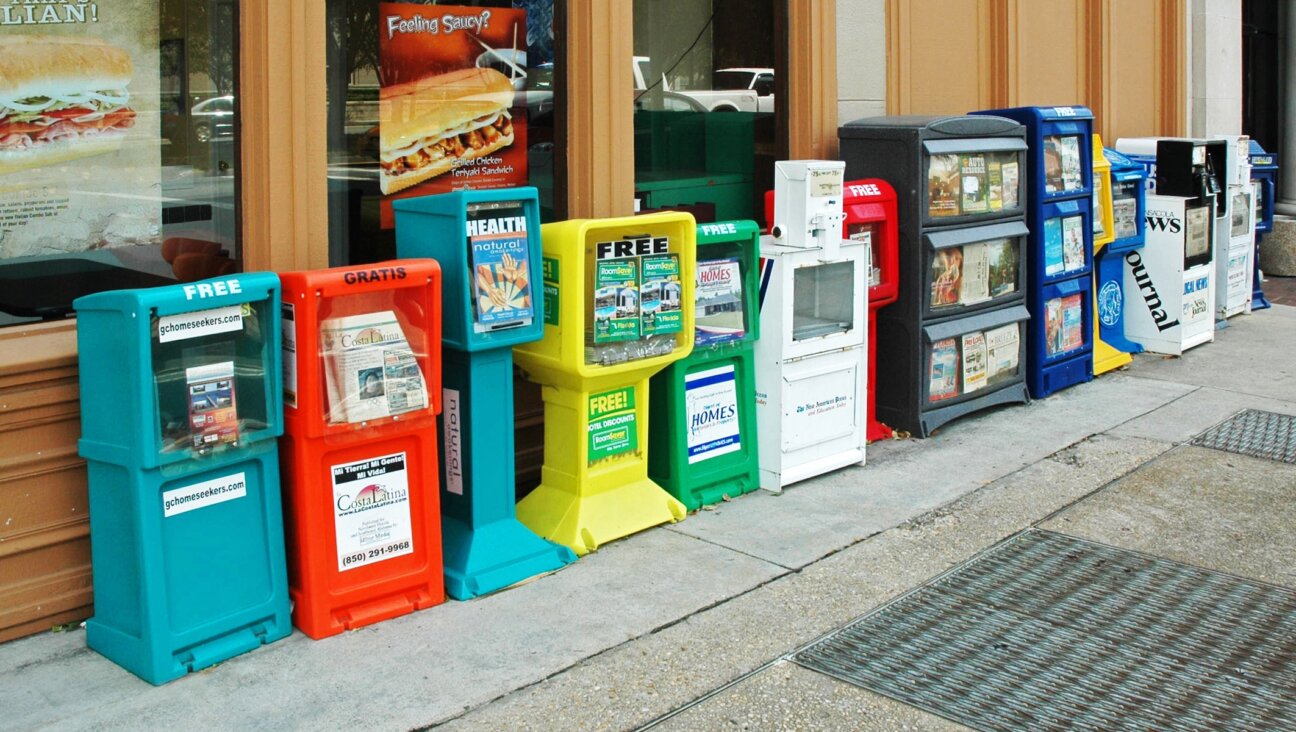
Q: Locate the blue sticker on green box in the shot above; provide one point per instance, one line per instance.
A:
(661, 294)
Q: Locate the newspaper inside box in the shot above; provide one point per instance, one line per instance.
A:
(970, 362)
(372, 349)
(634, 295)
(983, 183)
(973, 273)
(212, 387)
(1064, 245)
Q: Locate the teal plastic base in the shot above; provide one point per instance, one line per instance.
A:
(176, 594)
(494, 556)
(484, 547)
(161, 664)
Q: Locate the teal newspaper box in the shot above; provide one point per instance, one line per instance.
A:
(181, 405)
(488, 245)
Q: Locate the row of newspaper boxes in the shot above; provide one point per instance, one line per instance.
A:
(382, 394)
(329, 449)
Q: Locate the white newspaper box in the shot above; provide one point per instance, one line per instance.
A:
(1235, 232)
(1170, 282)
(811, 359)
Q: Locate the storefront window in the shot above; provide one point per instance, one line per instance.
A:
(425, 98)
(705, 102)
(118, 148)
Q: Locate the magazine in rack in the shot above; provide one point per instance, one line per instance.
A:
(369, 368)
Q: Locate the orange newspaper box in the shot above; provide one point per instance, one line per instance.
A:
(362, 391)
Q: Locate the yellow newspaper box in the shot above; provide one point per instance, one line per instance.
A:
(618, 309)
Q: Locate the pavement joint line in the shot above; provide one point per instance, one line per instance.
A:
(1149, 377)
(610, 649)
(1185, 395)
(1170, 447)
(671, 528)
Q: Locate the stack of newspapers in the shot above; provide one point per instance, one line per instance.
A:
(370, 369)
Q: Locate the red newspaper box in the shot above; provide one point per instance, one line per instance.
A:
(362, 391)
(870, 208)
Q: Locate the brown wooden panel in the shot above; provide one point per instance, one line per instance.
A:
(939, 56)
(600, 114)
(57, 590)
(812, 77)
(1133, 108)
(283, 180)
(528, 435)
(44, 524)
(1125, 59)
(1049, 63)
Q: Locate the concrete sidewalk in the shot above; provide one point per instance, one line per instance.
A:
(689, 626)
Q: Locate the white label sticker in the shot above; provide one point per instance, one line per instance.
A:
(371, 511)
(206, 493)
(289, 321)
(200, 323)
(826, 182)
(711, 408)
(451, 436)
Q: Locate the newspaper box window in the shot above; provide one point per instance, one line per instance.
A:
(181, 407)
(362, 391)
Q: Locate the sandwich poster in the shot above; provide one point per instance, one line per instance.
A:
(451, 109)
(80, 160)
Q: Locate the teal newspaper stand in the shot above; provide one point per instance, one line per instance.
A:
(181, 402)
(702, 437)
(488, 244)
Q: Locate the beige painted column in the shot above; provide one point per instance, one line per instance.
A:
(1287, 161)
(1216, 68)
(861, 59)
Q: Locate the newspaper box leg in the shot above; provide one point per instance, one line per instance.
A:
(594, 485)
(486, 547)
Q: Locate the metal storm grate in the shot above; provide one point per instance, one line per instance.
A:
(1050, 632)
(1255, 433)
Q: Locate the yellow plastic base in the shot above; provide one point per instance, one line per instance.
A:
(1107, 358)
(583, 523)
(582, 505)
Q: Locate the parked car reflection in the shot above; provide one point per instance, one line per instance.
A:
(213, 119)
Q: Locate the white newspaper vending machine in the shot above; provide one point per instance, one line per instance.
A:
(1235, 235)
(1170, 282)
(811, 359)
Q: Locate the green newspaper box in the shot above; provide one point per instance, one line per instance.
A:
(702, 436)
